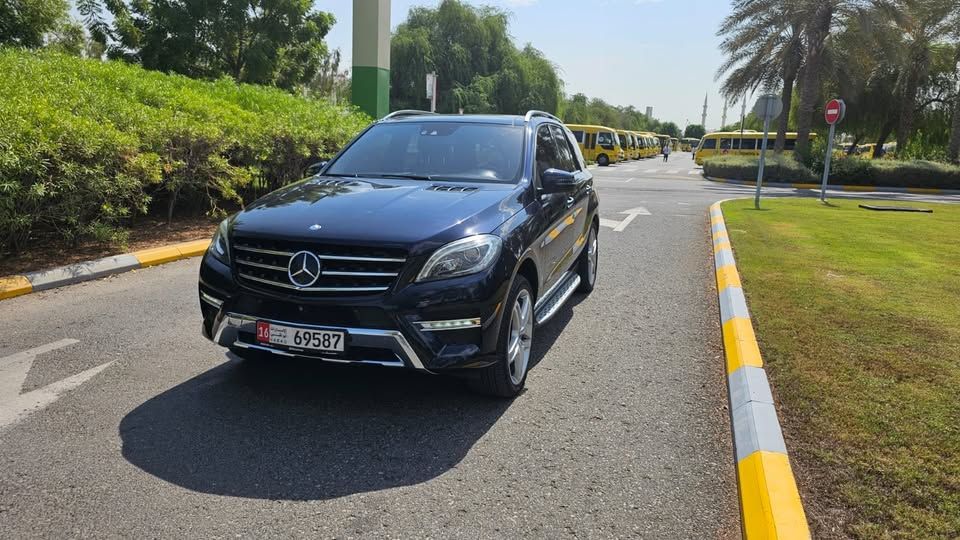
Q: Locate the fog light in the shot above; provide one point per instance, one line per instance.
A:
(453, 324)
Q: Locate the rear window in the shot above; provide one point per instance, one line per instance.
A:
(460, 151)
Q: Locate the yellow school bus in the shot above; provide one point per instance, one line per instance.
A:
(641, 144)
(663, 140)
(650, 144)
(735, 143)
(688, 144)
(674, 144)
(628, 143)
(598, 143)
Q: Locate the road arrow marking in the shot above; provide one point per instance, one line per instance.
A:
(15, 406)
(619, 226)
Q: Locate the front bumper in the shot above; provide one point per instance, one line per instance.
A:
(390, 329)
(229, 330)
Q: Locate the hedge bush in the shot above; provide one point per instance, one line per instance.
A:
(776, 168)
(843, 171)
(86, 145)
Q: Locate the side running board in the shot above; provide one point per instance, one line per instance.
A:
(558, 295)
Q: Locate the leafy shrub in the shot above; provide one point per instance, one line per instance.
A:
(843, 171)
(86, 145)
(776, 168)
(891, 173)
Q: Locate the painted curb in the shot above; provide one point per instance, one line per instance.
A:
(770, 505)
(11, 286)
(862, 189)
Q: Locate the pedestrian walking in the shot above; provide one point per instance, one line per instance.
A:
(666, 153)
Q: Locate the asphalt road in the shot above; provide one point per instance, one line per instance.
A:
(142, 428)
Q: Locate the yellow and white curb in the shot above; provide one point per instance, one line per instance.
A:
(11, 286)
(770, 505)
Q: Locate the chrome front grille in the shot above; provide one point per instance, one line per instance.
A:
(344, 269)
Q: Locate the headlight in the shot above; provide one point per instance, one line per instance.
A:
(219, 246)
(465, 256)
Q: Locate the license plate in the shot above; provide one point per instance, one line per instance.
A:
(300, 338)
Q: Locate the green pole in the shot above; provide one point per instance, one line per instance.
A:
(371, 56)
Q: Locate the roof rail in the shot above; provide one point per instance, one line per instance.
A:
(405, 112)
(530, 114)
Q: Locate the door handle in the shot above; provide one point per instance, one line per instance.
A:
(569, 202)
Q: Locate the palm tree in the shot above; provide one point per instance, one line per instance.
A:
(953, 151)
(816, 17)
(921, 26)
(763, 46)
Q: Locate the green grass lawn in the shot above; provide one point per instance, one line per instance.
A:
(858, 317)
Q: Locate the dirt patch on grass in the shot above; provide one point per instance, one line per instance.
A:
(148, 233)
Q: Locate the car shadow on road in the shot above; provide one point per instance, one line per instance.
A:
(297, 430)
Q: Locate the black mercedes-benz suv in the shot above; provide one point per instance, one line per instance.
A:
(430, 242)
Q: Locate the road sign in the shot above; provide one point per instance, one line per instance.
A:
(432, 91)
(767, 108)
(834, 112)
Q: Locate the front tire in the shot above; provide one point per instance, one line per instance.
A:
(603, 160)
(507, 376)
(588, 262)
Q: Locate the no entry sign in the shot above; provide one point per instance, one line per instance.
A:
(835, 110)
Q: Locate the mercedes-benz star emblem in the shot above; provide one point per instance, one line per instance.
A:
(303, 269)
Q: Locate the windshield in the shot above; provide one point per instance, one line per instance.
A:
(435, 151)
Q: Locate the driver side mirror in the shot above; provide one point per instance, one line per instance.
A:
(314, 168)
(558, 181)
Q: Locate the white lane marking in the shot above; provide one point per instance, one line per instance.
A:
(675, 171)
(15, 406)
(631, 214)
(683, 203)
(651, 170)
(693, 171)
(612, 223)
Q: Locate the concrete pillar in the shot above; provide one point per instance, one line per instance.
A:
(371, 56)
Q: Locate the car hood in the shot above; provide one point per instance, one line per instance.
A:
(398, 213)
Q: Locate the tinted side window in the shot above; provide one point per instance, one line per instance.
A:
(578, 135)
(790, 144)
(547, 155)
(563, 149)
(605, 139)
(709, 144)
(750, 144)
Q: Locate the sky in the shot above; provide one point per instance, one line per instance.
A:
(646, 53)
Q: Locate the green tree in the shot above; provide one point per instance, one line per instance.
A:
(271, 42)
(670, 128)
(478, 66)
(695, 131)
(24, 23)
(920, 27)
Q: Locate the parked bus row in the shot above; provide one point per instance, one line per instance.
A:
(607, 145)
